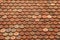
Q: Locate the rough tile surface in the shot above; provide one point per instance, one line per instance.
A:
(29, 19)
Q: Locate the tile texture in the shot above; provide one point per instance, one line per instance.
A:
(29, 19)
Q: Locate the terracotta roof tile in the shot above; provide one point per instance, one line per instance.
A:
(29, 20)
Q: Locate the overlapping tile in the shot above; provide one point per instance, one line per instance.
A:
(29, 20)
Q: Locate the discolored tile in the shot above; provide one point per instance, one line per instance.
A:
(16, 33)
(32, 33)
(8, 30)
(5, 34)
(45, 29)
(37, 19)
(34, 36)
(49, 16)
(34, 16)
(52, 4)
(5, 16)
(7, 37)
(10, 34)
(58, 33)
(50, 29)
(13, 30)
(3, 30)
(18, 37)
(21, 26)
(13, 37)
(16, 26)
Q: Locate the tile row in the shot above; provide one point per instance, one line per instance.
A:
(22, 29)
(31, 37)
(29, 23)
(31, 26)
(34, 16)
(30, 20)
(30, 1)
(30, 13)
(30, 10)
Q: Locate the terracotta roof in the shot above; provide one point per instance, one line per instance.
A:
(29, 20)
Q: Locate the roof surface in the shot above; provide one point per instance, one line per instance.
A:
(29, 19)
